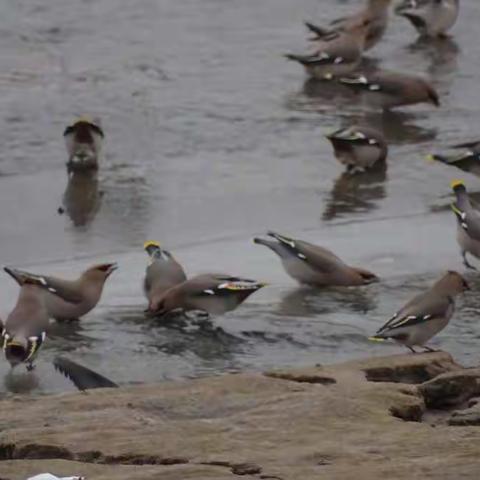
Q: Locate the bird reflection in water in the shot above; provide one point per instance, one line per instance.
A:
(440, 54)
(318, 95)
(306, 302)
(21, 381)
(81, 200)
(357, 193)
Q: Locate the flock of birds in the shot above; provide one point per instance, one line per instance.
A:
(337, 57)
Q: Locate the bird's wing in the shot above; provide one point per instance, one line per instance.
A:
(82, 377)
(421, 309)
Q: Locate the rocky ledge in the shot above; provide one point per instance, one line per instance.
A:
(399, 417)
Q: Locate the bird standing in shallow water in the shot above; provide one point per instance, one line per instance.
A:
(425, 315)
(468, 159)
(431, 18)
(314, 265)
(210, 293)
(162, 273)
(24, 330)
(387, 90)
(74, 298)
(358, 148)
(468, 223)
(341, 54)
(375, 13)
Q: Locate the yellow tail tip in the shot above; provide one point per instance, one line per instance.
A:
(151, 243)
(456, 183)
(430, 157)
(376, 339)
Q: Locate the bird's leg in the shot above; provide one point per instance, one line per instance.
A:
(465, 261)
(429, 349)
(411, 349)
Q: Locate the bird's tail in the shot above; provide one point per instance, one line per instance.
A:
(376, 338)
(26, 278)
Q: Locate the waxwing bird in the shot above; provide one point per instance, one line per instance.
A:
(83, 140)
(24, 330)
(74, 298)
(314, 265)
(386, 90)
(358, 148)
(340, 55)
(431, 18)
(162, 273)
(468, 223)
(425, 315)
(375, 13)
(210, 293)
(466, 157)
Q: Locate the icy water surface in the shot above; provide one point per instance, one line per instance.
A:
(212, 137)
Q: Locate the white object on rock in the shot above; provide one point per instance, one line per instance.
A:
(49, 476)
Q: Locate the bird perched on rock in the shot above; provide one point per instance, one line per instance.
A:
(431, 18)
(74, 298)
(468, 223)
(375, 13)
(210, 293)
(162, 273)
(340, 54)
(314, 265)
(386, 90)
(24, 330)
(425, 315)
(358, 148)
(83, 140)
(468, 159)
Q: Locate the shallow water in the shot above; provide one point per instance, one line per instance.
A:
(212, 138)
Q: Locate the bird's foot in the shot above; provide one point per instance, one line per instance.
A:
(30, 367)
(429, 349)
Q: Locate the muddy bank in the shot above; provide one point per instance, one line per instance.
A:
(386, 417)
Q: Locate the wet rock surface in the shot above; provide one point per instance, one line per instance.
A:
(279, 425)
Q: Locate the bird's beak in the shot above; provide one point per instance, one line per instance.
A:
(111, 268)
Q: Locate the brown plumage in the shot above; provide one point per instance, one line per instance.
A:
(74, 298)
(375, 13)
(210, 292)
(314, 265)
(386, 90)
